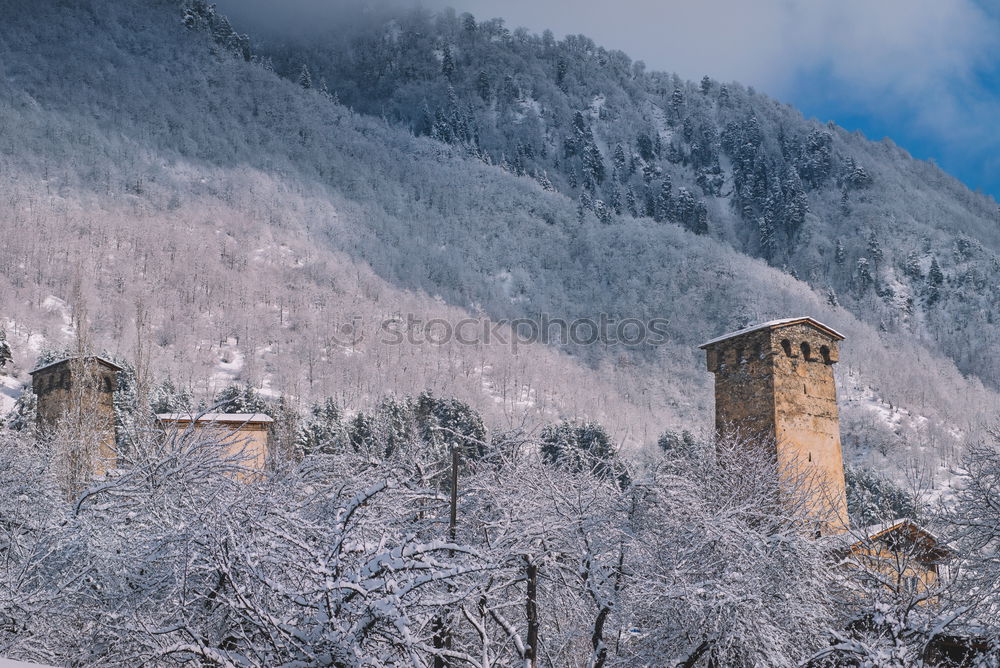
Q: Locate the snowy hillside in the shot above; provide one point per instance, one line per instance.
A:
(173, 169)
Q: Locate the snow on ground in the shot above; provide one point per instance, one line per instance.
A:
(230, 364)
(10, 390)
(596, 105)
(53, 304)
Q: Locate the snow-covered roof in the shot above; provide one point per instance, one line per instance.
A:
(859, 536)
(239, 418)
(776, 324)
(103, 360)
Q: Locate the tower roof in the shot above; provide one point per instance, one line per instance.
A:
(778, 324)
(97, 358)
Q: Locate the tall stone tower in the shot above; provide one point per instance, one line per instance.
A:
(775, 381)
(77, 394)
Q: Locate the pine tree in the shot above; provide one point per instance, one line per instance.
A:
(621, 165)
(935, 281)
(578, 446)
(447, 63)
(685, 208)
(676, 103)
(5, 354)
(911, 265)
(865, 277)
(630, 204)
(766, 236)
(935, 276)
(664, 201)
(615, 199)
(796, 204)
(305, 78)
(561, 69)
(645, 145)
(706, 85)
(241, 398)
(322, 431)
(840, 254)
(723, 95)
(874, 249)
(484, 88)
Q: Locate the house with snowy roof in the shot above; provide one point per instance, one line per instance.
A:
(243, 436)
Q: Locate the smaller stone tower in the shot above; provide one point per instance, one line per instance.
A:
(775, 381)
(78, 393)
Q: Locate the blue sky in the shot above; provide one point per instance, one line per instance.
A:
(924, 72)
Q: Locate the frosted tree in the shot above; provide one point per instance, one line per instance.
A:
(447, 63)
(305, 78)
(5, 352)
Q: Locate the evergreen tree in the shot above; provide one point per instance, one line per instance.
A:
(676, 104)
(645, 145)
(796, 204)
(23, 416)
(766, 236)
(305, 78)
(935, 276)
(935, 280)
(840, 253)
(241, 398)
(874, 249)
(864, 272)
(620, 163)
(872, 498)
(630, 204)
(682, 444)
(583, 446)
(911, 265)
(483, 87)
(447, 63)
(706, 85)
(168, 398)
(322, 431)
(664, 201)
(5, 353)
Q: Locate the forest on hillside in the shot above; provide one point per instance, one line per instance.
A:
(179, 166)
(903, 245)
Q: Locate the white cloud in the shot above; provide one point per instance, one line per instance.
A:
(914, 61)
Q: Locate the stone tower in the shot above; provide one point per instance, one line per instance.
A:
(78, 393)
(775, 381)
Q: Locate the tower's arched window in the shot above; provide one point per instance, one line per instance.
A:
(756, 351)
(806, 350)
(786, 345)
(825, 352)
(739, 355)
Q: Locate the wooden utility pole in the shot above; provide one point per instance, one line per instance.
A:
(531, 608)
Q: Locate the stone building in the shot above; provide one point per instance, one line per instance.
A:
(77, 395)
(243, 435)
(775, 381)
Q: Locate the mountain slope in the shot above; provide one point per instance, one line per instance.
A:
(859, 219)
(149, 171)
